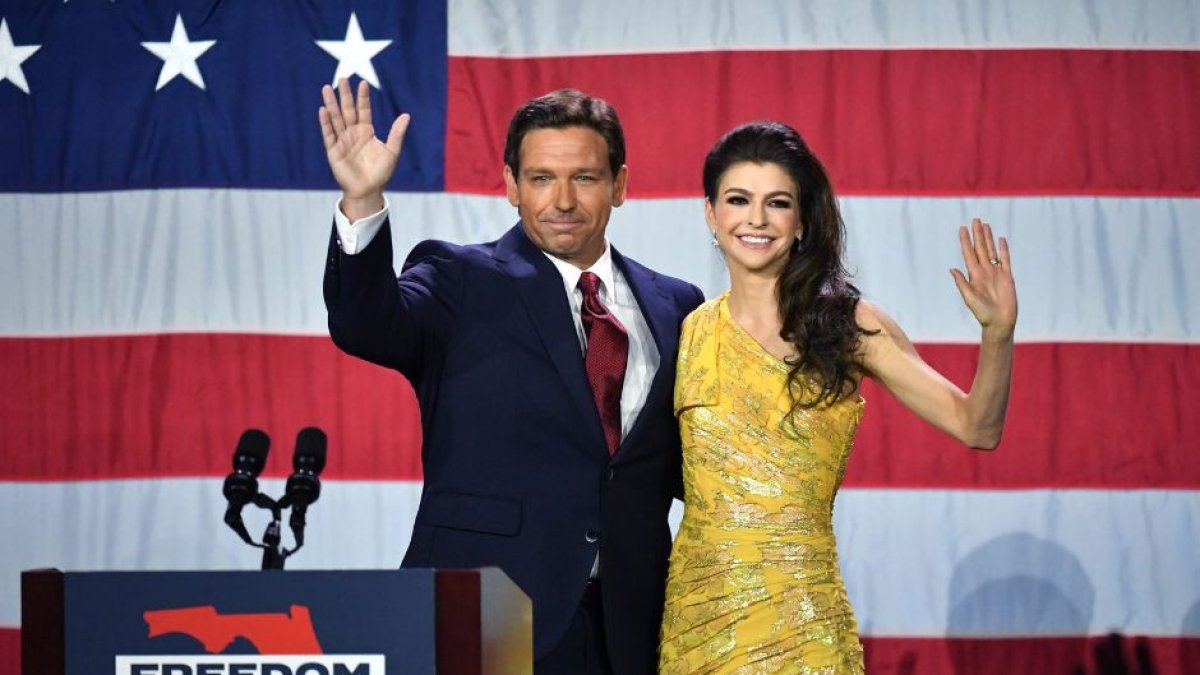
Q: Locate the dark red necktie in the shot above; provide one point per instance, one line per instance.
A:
(607, 350)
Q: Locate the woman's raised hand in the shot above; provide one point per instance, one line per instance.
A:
(987, 287)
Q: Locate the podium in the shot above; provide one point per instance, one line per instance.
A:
(448, 622)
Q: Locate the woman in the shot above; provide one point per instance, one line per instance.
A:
(767, 399)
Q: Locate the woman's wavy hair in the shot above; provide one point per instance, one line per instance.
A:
(816, 299)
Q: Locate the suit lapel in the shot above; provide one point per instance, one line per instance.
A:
(540, 288)
(661, 316)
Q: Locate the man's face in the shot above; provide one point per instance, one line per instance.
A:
(565, 192)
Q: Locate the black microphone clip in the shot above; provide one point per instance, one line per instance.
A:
(304, 485)
(241, 486)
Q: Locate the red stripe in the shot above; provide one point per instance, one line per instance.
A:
(884, 121)
(940, 656)
(175, 405)
(1081, 415)
(1108, 655)
(10, 650)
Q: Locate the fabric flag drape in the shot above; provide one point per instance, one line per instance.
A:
(166, 205)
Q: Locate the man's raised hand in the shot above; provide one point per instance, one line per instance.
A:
(361, 163)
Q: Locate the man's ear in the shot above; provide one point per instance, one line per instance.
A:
(510, 186)
(620, 183)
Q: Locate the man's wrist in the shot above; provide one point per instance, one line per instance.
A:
(357, 208)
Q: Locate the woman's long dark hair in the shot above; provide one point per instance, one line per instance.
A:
(816, 299)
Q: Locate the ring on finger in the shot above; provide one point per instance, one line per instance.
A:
(994, 261)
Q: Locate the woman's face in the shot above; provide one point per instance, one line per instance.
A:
(755, 217)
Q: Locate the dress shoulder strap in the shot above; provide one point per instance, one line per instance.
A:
(696, 376)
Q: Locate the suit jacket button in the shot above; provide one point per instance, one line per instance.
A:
(592, 536)
(611, 473)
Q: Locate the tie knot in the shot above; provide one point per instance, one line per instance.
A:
(589, 283)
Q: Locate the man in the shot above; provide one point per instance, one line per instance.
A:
(544, 365)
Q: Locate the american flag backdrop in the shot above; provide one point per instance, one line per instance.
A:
(165, 207)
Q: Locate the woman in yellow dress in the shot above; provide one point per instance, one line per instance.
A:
(767, 399)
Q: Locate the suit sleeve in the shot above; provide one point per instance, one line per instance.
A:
(399, 322)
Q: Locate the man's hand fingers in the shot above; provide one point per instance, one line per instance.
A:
(349, 115)
(363, 103)
(328, 137)
(395, 139)
(332, 111)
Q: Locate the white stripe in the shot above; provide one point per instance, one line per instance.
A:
(1088, 268)
(1040, 562)
(178, 525)
(916, 562)
(493, 28)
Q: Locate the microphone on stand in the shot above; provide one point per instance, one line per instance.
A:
(304, 485)
(241, 486)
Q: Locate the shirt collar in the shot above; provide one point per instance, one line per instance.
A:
(603, 268)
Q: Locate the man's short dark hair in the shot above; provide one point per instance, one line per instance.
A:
(561, 109)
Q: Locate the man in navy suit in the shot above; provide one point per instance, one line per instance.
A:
(544, 364)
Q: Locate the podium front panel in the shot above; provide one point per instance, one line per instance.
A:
(248, 623)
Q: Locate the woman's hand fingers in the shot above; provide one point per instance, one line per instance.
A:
(968, 250)
(964, 287)
(990, 243)
(979, 237)
(986, 286)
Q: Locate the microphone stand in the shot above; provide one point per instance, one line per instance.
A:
(272, 557)
(274, 554)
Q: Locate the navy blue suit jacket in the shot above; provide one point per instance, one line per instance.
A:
(517, 473)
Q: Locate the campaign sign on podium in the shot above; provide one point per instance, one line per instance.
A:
(274, 623)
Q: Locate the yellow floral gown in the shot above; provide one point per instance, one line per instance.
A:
(754, 584)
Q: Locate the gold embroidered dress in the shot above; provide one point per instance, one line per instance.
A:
(754, 584)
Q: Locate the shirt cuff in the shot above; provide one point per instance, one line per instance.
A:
(354, 237)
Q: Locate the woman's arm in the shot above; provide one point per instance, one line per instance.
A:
(976, 417)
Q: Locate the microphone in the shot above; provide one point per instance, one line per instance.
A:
(241, 486)
(303, 486)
